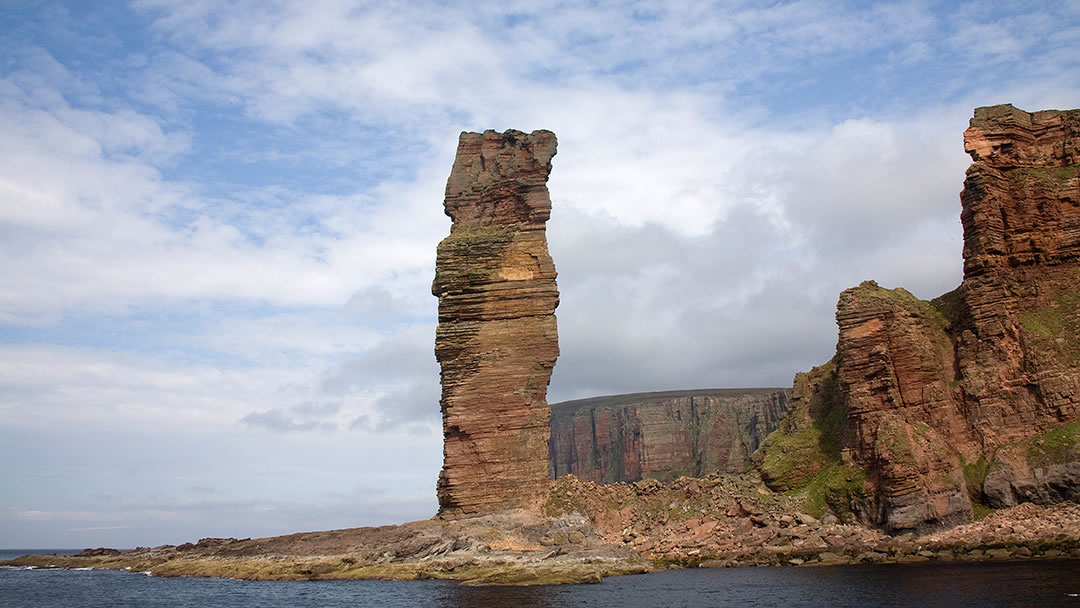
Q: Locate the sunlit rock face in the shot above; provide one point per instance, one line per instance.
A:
(1019, 345)
(497, 340)
(978, 374)
(1019, 350)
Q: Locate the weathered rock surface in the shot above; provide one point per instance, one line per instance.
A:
(497, 340)
(1019, 336)
(972, 396)
(905, 420)
(662, 435)
(734, 520)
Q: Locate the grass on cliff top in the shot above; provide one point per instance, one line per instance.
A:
(939, 314)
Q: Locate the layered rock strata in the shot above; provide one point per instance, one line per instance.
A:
(970, 400)
(905, 417)
(664, 435)
(496, 341)
(1018, 348)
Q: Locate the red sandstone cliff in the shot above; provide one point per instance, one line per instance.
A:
(665, 435)
(1019, 342)
(905, 417)
(497, 340)
(974, 396)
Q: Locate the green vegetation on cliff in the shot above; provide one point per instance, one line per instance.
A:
(1056, 446)
(975, 475)
(1056, 325)
(938, 315)
(808, 439)
(802, 457)
(1047, 176)
(950, 307)
(837, 487)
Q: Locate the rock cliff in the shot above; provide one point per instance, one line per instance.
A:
(1018, 339)
(497, 340)
(664, 435)
(905, 419)
(933, 410)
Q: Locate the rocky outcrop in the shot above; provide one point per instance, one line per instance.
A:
(664, 435)
(970, 398)
(496, 340)
(905, 420)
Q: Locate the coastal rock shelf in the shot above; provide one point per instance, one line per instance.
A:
(497, 339)
(587, 532)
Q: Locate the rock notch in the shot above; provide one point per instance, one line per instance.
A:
(497, 339)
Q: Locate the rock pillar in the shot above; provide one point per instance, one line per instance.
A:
(497, 339)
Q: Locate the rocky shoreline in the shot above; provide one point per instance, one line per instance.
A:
(590, 532)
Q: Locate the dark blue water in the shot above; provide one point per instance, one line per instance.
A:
(1047, 583)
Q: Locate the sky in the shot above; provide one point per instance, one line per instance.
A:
(218, 223)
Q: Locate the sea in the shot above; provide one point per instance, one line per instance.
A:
(924, 585)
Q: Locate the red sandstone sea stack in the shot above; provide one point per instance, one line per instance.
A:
(497, 339)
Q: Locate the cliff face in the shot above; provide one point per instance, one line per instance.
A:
(905, 419)
(662, 435)
(973, 396)
(1019, 347)
(497, 340)
(1019, 343)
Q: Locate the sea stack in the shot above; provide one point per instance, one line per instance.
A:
(497, 340)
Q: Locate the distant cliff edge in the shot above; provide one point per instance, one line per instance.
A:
(662, 435)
